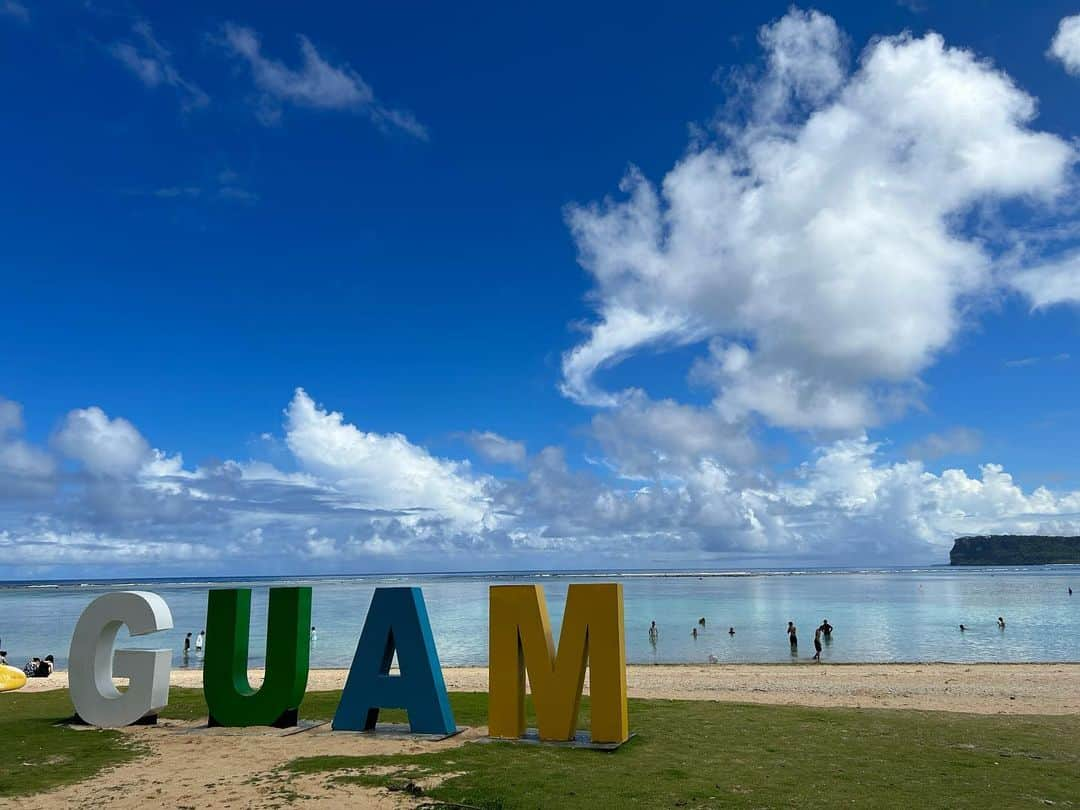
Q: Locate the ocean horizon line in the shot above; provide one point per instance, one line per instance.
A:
(590, 573)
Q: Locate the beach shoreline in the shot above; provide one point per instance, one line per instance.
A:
(986, 688)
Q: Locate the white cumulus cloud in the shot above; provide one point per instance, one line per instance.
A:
(110, 447)
(23, 467)
(816, 241)
(1065, 47)
(369, 499)
(381, 470)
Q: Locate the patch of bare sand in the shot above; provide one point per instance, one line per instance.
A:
(190, 766)
(969, 688)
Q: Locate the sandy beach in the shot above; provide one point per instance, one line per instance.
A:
(969, 688)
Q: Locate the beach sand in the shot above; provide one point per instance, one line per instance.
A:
(969, 688)
(190, 766)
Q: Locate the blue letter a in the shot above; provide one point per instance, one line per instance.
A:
(396, 620)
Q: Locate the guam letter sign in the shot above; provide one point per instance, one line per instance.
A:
(521, 643)
(229, 697)
(92, 662)
(397, 621)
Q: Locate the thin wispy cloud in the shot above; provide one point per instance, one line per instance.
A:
(959, 441)
(9, 8)
(1024, 362)
(227, 186)
(497, 449)
(176, 192)
(152, 64)
(315, 84)
(914, 6)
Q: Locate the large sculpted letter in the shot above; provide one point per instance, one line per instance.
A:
(92, 662)
(229, 696)
(397, 620)
(521, 641)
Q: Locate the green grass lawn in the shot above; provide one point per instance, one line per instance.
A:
(694, 754)
(35, 755)
(686, 754)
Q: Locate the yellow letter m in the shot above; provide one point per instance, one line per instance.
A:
(520, 642)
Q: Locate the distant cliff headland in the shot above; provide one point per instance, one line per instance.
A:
(1015, 549)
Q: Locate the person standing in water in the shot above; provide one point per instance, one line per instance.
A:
(654, 632)
(694, 632)
(200, 640)
(817, 645)
(793, 635)
(314, 635)
(1001, 623)
(731, 631)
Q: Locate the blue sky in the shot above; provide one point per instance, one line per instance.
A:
(617, 285)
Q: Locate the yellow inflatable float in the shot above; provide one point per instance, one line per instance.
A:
(11, 679)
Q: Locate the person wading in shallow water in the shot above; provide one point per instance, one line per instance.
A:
(817, 645)
(793, 635)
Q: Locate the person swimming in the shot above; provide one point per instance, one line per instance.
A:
(701, 621)
(1001, 623)
(962, 628)
(731, 631)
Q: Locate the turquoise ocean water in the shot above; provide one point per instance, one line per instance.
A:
(880, 615)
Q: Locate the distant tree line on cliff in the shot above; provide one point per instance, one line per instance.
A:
(1015, 549)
